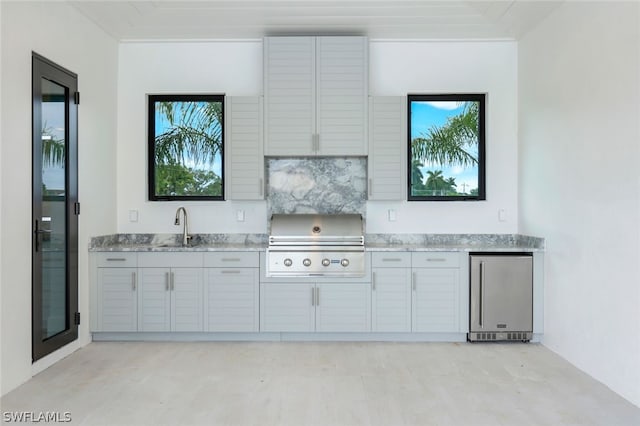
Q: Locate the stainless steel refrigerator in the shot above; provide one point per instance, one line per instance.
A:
(501, 298)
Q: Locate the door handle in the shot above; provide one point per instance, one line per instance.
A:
(133, 281)
(481, 296)
(373, 281)
(37, 233)
(166, 281)
(173, 281)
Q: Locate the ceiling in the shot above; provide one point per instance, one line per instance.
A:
(381, 19)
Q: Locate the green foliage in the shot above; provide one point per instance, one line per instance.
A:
(177, 180)
(449, 144)
(53, 150)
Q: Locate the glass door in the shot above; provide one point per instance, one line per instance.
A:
(55, 209)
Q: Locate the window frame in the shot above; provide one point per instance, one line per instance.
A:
(462, 97)
(151, 162)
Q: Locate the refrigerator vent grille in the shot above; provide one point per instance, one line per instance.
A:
(493, 336)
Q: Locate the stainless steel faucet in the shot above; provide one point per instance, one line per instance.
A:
(185, 228)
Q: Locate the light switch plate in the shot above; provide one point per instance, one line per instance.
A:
(392, 215)
(240, 215)
(502, 215)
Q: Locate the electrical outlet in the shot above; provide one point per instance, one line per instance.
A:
(392, 215)
(502, 215)
(133, 215)
(240, 215)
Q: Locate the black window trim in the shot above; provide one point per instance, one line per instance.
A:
(478, 97)
(177, 97)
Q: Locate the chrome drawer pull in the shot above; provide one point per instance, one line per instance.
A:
(436, 260)
(391, 259)
(231, 259)
(230, 271)
(133, 281)
(116, 259)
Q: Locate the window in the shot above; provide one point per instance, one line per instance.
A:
(186, 147)
(446, 147)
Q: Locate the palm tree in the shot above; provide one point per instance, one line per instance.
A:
(194, 132)
(450, 143)
(417, 178)
(53, 149)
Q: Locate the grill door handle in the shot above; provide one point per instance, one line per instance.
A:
(313, 296)
(317, 296)
(166, 281)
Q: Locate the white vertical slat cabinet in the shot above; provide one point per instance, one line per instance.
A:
(391, 292)
(170, 298)
(387, 148)
(436, 291)
(244, 148)
(116, 307)
(289, 95)
(231, 292)
(343, 307)
(315, 91)
(342, 90)
(287, 306)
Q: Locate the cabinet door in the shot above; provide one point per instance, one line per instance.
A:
(391, 299)
(154, 299)
(186, 299)
(342, 91)
(244, 154)
(289, 95)
(287, 307)
(436, 301)
(343, 307)
(387, 148)
(231, 299)
(117, 299)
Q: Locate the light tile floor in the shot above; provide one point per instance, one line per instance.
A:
(319, 383)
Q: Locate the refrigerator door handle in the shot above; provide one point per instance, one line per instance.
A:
(481, 307)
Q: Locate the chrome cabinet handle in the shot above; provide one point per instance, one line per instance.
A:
(436, 259)
(133, 281)
(413, 281)
(116, 259)
(166, 281)
(317, 296)
(392, 259)
(373, 281)
(261, 187)
(313, 296)
(173, 281)
(230, 271)
(230, 259)
(481, 307)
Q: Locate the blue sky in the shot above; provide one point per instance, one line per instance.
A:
(426, 114)
(162, 125)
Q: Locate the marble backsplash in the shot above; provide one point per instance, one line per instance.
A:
(324, 185)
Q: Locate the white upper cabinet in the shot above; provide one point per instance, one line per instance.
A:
(315, 91)
(244, 148)
(388, 148)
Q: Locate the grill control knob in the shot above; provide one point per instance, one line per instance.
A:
(326, 262)
(288, 262)
(344, 262)
(306, 262)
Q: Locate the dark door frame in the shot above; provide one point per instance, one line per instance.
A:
(43, 68)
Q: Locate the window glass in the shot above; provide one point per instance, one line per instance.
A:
(186, 147)
(446, 147)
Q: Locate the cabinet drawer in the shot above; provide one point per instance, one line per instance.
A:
(232, 259)
(435, 259)
(170, 260)
(116, 260)
(390, 260)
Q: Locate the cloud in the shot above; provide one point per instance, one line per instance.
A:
(446, 105)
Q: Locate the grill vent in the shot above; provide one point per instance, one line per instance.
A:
(497, 336)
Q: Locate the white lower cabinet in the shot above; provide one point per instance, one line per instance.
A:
(231, 299)
(117, 295)
(436, 292)
(170, 299)
(307, 306)
(391, 292)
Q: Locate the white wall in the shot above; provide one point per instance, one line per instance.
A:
(229, 67)
(58, 32)
(579, 109)
(396, 68)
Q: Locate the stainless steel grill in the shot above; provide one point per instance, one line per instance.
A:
(316, 245)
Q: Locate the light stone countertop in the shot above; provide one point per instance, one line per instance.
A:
(373, 242)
